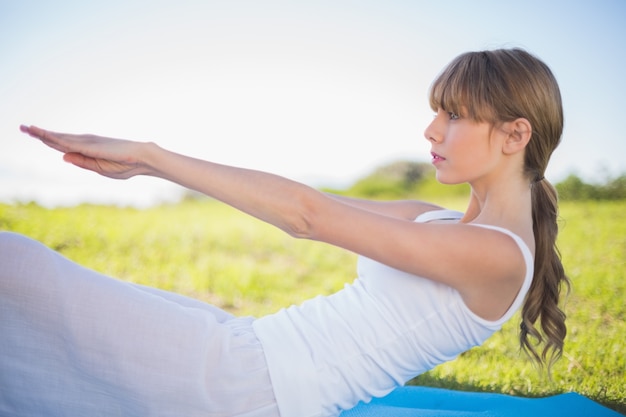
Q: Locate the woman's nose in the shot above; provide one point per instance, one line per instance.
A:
(431, 133)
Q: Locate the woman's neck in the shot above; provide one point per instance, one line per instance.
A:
(500, 196)
(505, 204)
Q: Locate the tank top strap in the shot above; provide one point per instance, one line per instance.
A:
(442, 214)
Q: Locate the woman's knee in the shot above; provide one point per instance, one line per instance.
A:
(14, 245)
(18, 255)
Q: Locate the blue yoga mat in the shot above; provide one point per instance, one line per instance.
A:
(435, 402)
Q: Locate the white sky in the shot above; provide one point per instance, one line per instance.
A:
(319, 91)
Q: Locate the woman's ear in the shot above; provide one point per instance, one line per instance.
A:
(519, 133)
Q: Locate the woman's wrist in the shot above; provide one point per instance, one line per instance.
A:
(151, 156)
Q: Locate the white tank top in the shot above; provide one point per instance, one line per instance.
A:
(384, 329)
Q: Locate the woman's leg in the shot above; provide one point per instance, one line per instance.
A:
(74, 342)
(220, 315)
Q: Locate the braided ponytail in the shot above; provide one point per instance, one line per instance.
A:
(542, 300)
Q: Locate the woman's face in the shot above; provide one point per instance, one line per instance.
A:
(462, 149)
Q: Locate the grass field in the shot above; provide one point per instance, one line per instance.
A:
(211, 252)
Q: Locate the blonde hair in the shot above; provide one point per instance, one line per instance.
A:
(498, 86)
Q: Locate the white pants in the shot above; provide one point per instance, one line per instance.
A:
(76, 343)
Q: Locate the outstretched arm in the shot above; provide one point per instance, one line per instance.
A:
(484, 265)
(271, 198)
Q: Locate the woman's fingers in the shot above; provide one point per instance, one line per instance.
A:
(52, 139)
(36, 132)
(110, 157)
(88, 145)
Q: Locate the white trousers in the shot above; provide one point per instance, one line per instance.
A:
(76, 343)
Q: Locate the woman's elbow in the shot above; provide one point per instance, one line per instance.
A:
(306, 215)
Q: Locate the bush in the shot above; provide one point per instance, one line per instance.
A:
(575, 189)
(406, 179)
(396, 180)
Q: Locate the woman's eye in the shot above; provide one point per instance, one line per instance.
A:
(453, 116)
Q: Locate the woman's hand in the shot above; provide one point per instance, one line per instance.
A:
(113, 158)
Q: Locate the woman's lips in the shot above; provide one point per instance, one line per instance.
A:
(437, 158)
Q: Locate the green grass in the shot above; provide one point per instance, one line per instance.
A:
(202, 249)
(211, 252)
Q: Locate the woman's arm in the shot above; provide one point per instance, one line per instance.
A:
(486, 266)
(271, 198)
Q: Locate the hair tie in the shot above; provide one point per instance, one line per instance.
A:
(540, 179)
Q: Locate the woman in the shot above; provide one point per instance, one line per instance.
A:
(432, 282)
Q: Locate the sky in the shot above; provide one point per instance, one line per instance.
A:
(319, 91)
